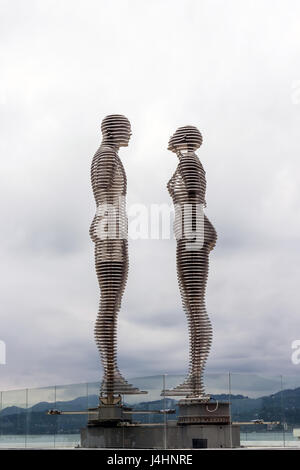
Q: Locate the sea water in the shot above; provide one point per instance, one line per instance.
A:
(46, 441)
(269, 439)
(41, 441)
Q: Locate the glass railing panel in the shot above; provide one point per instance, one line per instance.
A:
(41, 427)
(291, 410)
(13, 417)
(256, 403)
(147, 416)
(93, 390)
(72, 403)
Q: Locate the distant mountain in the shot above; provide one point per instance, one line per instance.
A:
(10, 410)
(78, 404)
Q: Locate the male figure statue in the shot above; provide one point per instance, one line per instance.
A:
(109, 233)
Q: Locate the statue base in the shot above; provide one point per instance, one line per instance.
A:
(199, 425)
(197, 411)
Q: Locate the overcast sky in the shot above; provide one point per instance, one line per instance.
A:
(231, 68)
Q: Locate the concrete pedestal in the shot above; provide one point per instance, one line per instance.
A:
(143, 436)
(199, 425)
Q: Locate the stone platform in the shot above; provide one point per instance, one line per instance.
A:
(199, 425)
(143, 436)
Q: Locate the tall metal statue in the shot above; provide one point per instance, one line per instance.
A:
(109, 233)
(196, 237)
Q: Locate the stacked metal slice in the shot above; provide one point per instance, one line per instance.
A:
(196, 237)
(109, 233)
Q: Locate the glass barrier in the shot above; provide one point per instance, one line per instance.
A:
(93, 391)
(72, 402)
(147, 410)
(41, 428)
(13, 419)
(259, 404)
(291, 411)
(265, 408)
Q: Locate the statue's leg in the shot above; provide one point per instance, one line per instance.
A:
(192, 270)
(194, 278)
(112, 277)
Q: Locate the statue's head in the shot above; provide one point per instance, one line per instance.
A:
(116, 130)
(185, 138)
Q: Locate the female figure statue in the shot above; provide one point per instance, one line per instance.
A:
(196, 237)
